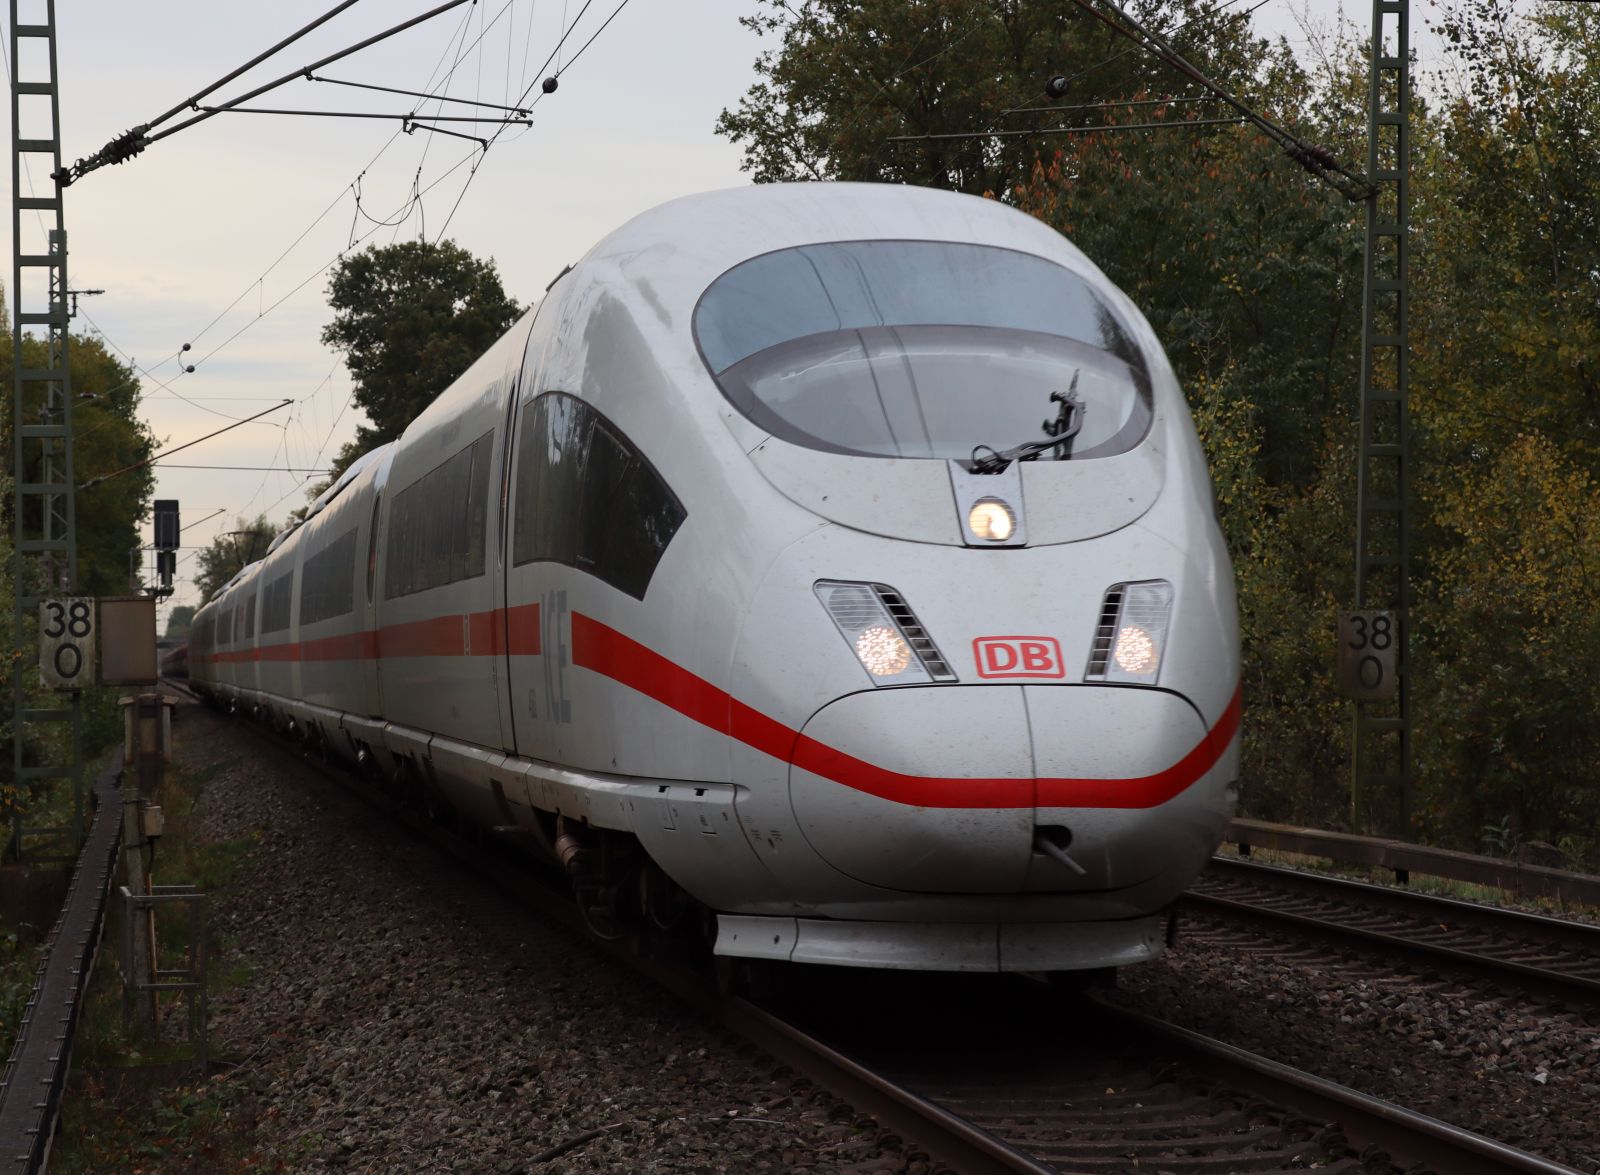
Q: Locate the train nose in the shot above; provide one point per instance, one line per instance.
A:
(926, 789)
(1006, 789)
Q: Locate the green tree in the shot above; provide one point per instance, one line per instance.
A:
(849, 75)
(107, 435)
(1506, 328)
(178, 621)
(230, 552)
(409, 318)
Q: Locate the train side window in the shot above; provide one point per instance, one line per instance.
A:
(276, 598)
(372, 544)
(327, 584)
(439, 523)
(250, 616)
(586, 497)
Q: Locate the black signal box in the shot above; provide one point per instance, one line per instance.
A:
(166, 524)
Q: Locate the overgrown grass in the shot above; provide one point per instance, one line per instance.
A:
(20, 955)
(138, 1104)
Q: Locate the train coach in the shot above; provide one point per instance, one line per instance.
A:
(835, 564)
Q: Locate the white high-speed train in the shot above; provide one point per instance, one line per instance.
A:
(839, 559)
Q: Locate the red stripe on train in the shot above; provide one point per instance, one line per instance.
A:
(477, 634)
(606, 651)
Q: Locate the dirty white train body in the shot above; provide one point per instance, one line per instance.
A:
(741, 561)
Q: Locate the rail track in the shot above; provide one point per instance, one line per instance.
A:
(1034, 1081)
(1079, 1084)
(1555, 958)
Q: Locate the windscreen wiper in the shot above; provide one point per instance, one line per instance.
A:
(1067, 424)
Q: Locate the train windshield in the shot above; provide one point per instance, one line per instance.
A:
(921, 349)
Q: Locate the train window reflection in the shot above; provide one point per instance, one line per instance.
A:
(327, 584)
(587, 498)
(439, 525)
(920, 349)
(276, 600)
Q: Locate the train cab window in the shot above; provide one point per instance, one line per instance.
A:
(921, 349)
(327, 584)
(439, 524)
(276, 599)
(588, 498)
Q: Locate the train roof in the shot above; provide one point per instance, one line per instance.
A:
(708, 233)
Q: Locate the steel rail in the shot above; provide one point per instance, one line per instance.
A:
(1582, 936)
(36, 1072)
(1411, 1138)
(1545, 981)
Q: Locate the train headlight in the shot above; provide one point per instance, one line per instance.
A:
(1135, 652)
(884, 634)
(992, 519)
(1132, 634)
(883, 651)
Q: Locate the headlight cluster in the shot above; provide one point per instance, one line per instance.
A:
(1132, 636)
(884, 634)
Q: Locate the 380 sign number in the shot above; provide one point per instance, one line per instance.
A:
(66, 643)
(1367, 646)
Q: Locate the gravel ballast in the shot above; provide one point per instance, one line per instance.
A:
(1493, 1062)
(400, 1015)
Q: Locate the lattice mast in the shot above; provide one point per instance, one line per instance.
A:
(45, 559)
(1381, 759)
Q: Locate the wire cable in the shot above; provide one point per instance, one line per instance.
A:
(353, 186)
(554, 77)
(1319, 161)
(134, 363)
(194, 100)
(105, 477)
(131, 143)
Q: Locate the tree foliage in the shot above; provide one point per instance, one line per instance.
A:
(409, 318)
(847, 76)
(230, 553)
(1250, 273)
(179, 620)
(108, 435)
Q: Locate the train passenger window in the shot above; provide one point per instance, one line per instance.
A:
(327, 583)
(587, 498)
(921, 349)
(250, 616)
(276, 599)
(227, 626)
(439, 524)
(372, 544)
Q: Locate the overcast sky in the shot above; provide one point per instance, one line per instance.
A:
(219, 237)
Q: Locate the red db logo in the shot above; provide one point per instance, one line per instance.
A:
(1018, 656)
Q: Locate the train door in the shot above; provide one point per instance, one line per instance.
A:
(371, 679)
